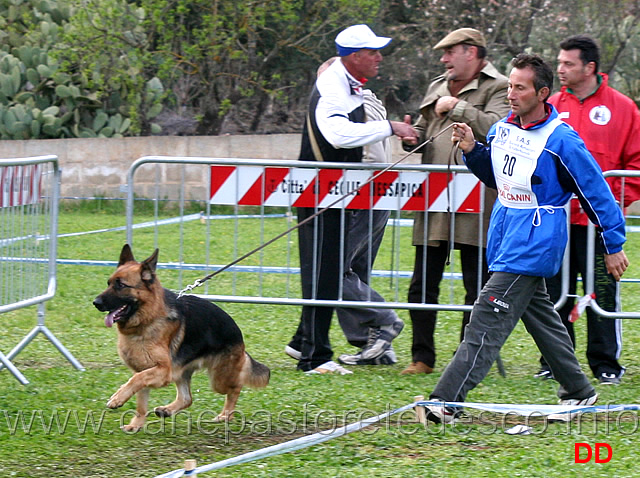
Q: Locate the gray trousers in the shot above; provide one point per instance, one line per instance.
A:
(505, 299)
(366, 231)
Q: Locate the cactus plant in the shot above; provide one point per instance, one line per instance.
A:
(38, 99)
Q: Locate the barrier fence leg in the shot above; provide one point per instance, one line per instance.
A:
(12, 368)
(42, 329)
(61, 348)
(421, 415)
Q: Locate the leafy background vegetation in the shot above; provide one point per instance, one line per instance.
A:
(84, 68)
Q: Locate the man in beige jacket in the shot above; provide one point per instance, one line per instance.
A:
(474, 92)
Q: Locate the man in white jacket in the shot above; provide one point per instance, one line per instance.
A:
(365, 233)
(336, 130)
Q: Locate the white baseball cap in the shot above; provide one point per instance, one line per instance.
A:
(357, 37)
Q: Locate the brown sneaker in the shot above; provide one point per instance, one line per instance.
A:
(417, 367)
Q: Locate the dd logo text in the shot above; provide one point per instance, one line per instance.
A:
(596, 452)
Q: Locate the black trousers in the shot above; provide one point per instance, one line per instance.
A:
(604, 336)
(319, 249)
(425, 288)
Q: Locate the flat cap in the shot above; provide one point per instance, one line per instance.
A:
(470, 36)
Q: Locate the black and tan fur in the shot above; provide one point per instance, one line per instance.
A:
(165, 339)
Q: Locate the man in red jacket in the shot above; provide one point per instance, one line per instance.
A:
(609, 124)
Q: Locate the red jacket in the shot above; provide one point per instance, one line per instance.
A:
(609, 124)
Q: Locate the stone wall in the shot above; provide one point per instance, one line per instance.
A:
(98, 166)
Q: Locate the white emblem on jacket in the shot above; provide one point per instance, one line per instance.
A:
(600, 115)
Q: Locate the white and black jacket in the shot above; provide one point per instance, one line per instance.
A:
(336, 119)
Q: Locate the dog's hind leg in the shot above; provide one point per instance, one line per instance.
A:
(230, 401)
(142, 400)
(227, 376)
(183, 397)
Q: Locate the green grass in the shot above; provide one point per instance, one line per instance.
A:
(293, 404)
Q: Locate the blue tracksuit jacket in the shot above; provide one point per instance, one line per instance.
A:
(530, 239)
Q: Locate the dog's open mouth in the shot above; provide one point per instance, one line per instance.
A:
(116, 315)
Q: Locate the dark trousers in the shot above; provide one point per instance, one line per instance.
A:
(319, 265)
(366, 231)
(520, 297)
(425, 288)
(604, 336)
(319, 248)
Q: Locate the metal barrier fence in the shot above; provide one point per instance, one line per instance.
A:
(260, 198)
(29, 193)
(627, 287)
(256, 200)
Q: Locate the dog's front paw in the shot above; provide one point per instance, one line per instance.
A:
(116, 400)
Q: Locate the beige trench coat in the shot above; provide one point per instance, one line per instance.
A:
(482, 103)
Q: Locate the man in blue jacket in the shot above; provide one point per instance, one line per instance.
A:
(536, 162)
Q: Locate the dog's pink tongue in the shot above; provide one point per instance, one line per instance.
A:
(108, 320)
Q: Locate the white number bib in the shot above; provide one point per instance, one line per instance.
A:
(514, 155)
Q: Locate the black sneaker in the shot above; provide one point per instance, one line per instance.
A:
(609, 378)
(544, 374)
(442, 414)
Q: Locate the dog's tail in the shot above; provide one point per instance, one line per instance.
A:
(258, 374)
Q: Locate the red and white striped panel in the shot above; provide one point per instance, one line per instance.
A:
(301, 187)
(20, 185)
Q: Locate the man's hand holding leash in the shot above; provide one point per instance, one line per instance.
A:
(463, 135)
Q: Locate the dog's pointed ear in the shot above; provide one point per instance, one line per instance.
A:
(149, 267)
(126, 255)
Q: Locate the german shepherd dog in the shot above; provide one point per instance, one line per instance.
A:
(165, 339)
